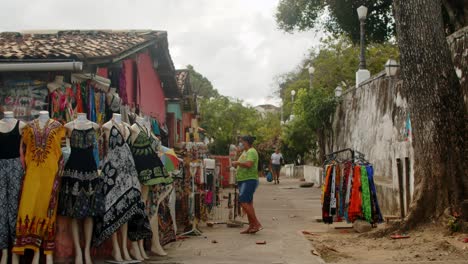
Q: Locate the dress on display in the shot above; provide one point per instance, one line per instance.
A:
(81, 187)
(150, 168)
(166, 225)
(121, 188)
(11, 177)
(37, 212)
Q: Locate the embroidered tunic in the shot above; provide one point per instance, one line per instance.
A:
(35, 226)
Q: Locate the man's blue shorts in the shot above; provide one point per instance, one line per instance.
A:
(246, 190)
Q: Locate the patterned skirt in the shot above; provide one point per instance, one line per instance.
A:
(11, 178)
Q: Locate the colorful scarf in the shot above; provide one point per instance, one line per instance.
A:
(355, 200)
(376, 213)
(366, 196)
(344, 198)
(327, 197)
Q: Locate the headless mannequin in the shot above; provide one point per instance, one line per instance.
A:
(138, 249)
(154, 221)
(57, 83)
(156, 247)
(43, 119)
(7, 124)
(117, 252)
(81, 123)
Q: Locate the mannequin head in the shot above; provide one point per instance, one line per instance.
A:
(140, 120)
(8, 115)
(81, 117)
(43, 116)
(58, 79)
(117, 118)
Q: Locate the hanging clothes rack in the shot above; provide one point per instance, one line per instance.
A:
(349, 191)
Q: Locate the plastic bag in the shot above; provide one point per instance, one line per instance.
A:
(269, 177)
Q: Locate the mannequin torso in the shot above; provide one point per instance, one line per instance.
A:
(43, 118)
(80, 123)
(9, 122)
(57, 83)
(137, 128)
(116, 121)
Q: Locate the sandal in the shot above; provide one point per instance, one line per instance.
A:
(247, 231)
(255, 230)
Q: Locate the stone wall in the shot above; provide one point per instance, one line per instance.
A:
(371, 119)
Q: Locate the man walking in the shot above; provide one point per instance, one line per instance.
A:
(275, 162)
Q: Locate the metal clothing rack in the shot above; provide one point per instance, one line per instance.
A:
(194, 231)
(355, 155)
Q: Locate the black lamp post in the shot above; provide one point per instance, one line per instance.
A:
(362, 14)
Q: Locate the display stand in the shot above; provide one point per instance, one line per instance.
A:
(194, 231)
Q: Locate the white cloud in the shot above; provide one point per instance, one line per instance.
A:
(235, 44)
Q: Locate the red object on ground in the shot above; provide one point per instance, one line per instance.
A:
(465, 240)
(309, 233)
(397, 236)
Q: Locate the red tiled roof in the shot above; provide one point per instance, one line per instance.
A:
(72, 44)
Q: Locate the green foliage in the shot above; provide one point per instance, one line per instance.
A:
(297, 138)
(201, 86)
(335, 65)
(226, 118)
(338, 17)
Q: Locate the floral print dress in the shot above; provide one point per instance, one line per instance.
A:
(121, 187)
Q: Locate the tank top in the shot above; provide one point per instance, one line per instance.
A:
(10, 142)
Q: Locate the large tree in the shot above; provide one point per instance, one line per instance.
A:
(337, 16)
(201, 86)
(437, 110)
(340, 17)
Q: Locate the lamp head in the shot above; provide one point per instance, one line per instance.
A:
(311, 70)
(338, 91)
(362, 13)
(293, 92)
(391, 67)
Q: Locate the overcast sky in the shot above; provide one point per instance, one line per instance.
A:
(234, 43)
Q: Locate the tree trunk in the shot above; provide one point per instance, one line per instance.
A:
(437, 110)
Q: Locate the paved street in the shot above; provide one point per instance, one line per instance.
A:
(284, 211)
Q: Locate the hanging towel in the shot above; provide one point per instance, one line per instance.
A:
(376, 213)
(326, 197)
(333, 193)
(348, 191)
(366, 197)
(155, 126)
(355, 208)
(344, 199)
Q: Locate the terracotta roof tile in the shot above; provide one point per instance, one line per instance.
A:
(71, 44)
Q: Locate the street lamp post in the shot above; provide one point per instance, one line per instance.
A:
(362, 74)
(293, 93)
(362, 14)
(311, 75)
